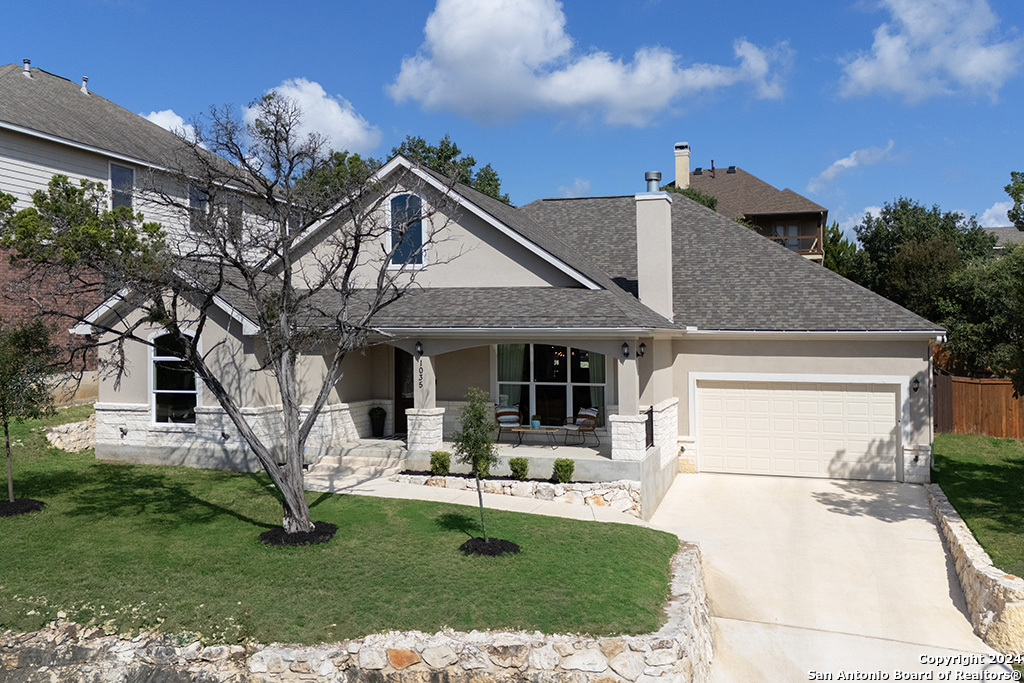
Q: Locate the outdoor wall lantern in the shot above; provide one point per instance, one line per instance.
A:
(419, 348)
(625, 349)
(916, 385)
(641, 350)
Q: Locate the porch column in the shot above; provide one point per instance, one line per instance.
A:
(426, 420)
(628, 428)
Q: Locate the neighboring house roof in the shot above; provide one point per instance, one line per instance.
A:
(740, 283)
(55, 107)
(1006, 236)
(741, 194)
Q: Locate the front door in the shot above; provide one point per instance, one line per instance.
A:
(403, 389)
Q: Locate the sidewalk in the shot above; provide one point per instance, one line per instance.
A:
(382, 487)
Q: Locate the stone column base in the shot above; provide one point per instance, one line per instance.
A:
(687, 454)
(426, 429)
(629, 436)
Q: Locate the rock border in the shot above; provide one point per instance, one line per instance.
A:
(995, 599)
(679, 652)
(623, 495)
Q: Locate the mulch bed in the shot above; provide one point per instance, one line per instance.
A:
(492, 547)
(489, 477)
(321, 533)
(20, 506)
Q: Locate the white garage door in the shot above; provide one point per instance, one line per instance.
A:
(843, 431)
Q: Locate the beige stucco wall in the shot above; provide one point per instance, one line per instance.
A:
(468, 253)
(459, 370)
(818, 357)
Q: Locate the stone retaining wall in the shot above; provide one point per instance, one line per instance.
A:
(995, 599)
(621, 496)
(73, 436)
(679, 652)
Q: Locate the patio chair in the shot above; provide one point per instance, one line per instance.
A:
(584, 423)
(507, 417)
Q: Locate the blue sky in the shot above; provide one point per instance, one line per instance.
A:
(850, 103)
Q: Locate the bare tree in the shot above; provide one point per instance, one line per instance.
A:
(250, 200)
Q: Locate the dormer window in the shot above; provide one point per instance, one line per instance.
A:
(406, 230)
(122, 185)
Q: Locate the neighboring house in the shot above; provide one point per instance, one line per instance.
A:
(1005, 237)
(783, 216)
(50, 125)
(738, 355)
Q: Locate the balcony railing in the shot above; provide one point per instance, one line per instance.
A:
(806, 244)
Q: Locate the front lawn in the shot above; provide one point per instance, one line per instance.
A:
(984, 479)
(176, 549)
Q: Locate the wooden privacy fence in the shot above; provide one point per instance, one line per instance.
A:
(977, 406)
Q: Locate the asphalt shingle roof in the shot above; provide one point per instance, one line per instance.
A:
(56, 106)
(725, 276)
(1006, 235)
(742, 194)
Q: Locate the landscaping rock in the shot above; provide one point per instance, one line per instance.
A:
(439, 657)
(401, 659)
(591, 661)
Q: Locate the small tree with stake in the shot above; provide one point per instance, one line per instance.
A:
(27, 363)
(474, 446)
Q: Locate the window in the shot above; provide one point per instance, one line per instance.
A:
(554, 382)
(198, 202)
(174, 383)
(787, 235)
(122, 184)
(406, 230)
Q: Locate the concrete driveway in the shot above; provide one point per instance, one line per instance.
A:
(811, 575)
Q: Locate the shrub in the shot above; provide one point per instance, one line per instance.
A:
(520, 468)
(440, 463)
(563, 470)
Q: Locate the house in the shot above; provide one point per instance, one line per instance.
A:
(783, 216)
(700, 346)
(1005, 236)
(50, 125)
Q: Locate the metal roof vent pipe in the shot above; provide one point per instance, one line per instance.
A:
(26, 69)
(653, 179)
(85, 85)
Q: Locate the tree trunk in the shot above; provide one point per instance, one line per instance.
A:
(296, 510)
(10, 469)
(480, 497)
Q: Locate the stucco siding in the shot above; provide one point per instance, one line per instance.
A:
(459, 370)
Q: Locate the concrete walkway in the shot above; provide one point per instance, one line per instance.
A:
(809, 575)
(385, 488)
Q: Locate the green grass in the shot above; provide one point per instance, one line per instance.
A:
(176, 549)
(984, 479)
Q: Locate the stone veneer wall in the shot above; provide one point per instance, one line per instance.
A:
(621, 496)
(679, 652)
(995, 599)
(126, 431)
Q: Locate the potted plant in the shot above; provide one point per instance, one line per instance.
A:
(377, 416)
(535, 422)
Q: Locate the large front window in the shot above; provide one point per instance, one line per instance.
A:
(554, 382)
(174, 383)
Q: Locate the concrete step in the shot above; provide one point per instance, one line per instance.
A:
(362, 459)
(324, 478)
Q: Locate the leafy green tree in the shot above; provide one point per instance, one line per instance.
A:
(894, 266)
(702, 198)
(983, 312)
(27, 366)
(474, 442)
(1016, 191)
(842, 256)
(446, 158)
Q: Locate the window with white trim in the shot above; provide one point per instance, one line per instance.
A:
(122, 186)
(406, 211)
(175, 394)
(554, 382)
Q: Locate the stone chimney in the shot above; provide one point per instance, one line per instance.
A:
(654, 247)
(682, 165)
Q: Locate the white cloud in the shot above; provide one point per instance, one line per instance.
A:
(995, 216)
(580, 188)
(494, 60)
(848, 221)
(330, 115)
(868, 156)
(934, 47)
(172, 122)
